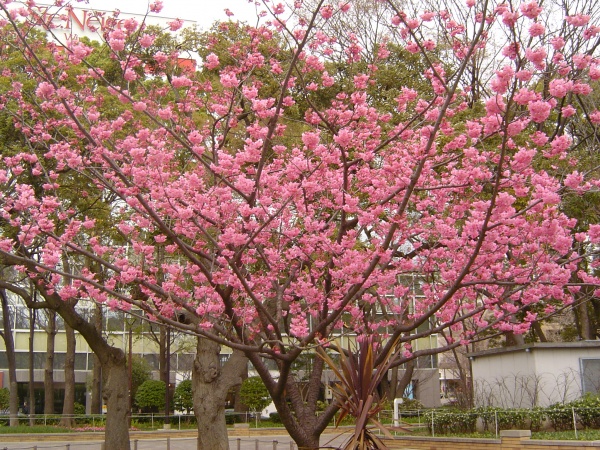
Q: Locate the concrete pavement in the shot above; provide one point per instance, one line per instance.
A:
(171, 441)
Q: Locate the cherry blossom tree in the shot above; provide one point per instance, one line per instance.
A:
(276, 205)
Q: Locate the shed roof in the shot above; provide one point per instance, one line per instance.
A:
(538, 346)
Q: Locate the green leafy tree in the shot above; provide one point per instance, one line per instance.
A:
(254, 394)
(183, 399)
(4, 398)
(140, 373)
(150, 396)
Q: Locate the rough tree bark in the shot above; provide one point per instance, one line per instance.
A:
(211, 382)
(9, 344)
(583, 321)
(297, 408)
(49, 363)
(69, 399)
(115, 394)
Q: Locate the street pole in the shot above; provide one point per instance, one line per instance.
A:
(168, 390)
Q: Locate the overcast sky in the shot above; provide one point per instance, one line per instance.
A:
(204, 12)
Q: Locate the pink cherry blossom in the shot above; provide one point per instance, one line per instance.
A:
(327, 12)
(557, 42)
(175, 25)
(536, 29)
(577, 20)
(531, 10)
(146, 40)
(156, 6)
(539, 110)
(559, 87)
(536, 56)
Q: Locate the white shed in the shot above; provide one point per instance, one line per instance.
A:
(538, 374)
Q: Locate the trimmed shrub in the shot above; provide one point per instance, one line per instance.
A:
(232, 417)
(560, 417)
(587, 409)
(450, 422)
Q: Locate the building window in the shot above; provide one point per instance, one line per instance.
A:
(590, 375)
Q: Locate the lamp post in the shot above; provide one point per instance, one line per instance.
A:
(167, 424)
(130, 371)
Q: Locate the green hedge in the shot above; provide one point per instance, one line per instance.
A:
(451, 421)
(559, 416)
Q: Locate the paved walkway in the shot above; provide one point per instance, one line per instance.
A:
(263, 442)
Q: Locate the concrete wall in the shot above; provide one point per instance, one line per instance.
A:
(504, 379)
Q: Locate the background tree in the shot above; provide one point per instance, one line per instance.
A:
(140, 373)
(255, 394)
(183, 398)
(150, 396)
(4, 399)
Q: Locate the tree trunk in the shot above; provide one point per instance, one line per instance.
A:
(115, 394)
(393, 387)
(596, 317)
(49, 363)
(585, 326)
(536, 326)
(9, 344)
(210, 386)
(465, 395)
(31, 368)
(162, 355)
(513, 340)
(97, 369)
(406, 377)
(299, 417)
(301, 429)
(69, 399)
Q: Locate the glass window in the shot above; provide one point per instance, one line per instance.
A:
(427, 362)
(80, 361)
(115, 321)
(21, 318)
(22, 360)
(39, 360)
(59, 361)
(590, 375)
(60, 323)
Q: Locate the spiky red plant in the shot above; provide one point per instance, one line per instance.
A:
(359, 373)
